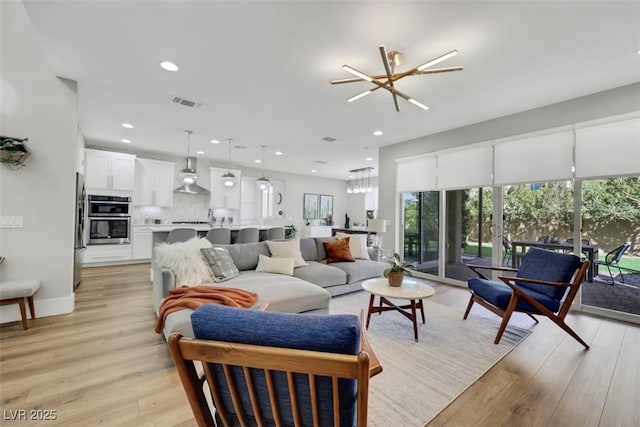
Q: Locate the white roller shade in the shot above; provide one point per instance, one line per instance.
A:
(608, 150)
(536, 159)
(416, 174)
(465, 168)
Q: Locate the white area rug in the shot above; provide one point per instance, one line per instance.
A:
(419, 379)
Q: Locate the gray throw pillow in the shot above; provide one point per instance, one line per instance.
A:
(220, 263)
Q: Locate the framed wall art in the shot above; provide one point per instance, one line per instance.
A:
(326, 206)
(310, 209)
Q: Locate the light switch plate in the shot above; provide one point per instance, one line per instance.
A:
(11, 221)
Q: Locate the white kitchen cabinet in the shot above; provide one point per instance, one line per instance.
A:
(107, 254)
(224, 197)
(371, 200)
(106, 170)
(248, 200)
(153, 183)
(142, 243)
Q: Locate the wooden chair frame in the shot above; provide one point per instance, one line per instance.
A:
(186, 351)
(557, 318)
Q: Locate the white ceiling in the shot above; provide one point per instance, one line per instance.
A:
(261, 70)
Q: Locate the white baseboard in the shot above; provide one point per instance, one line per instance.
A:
(44, 308)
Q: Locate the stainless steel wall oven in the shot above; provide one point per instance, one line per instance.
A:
(109, 220)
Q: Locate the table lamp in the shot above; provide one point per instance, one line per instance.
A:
(378, 226)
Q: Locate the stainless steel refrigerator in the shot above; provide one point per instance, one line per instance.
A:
(79, 246)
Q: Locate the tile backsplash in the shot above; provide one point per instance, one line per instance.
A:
(186, 207)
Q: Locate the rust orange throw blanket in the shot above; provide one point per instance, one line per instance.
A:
(194, 296)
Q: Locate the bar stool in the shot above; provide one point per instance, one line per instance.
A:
(181, 235)
(276, 233)
(247, 235)
(220, 236)
(16, 291)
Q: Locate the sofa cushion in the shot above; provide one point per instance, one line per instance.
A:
(287, 249)
(185, 260)
(336, 333)
(245, 255)
(338, 250)
(220, 263)
(282, 293)
(357, 244)
(286, 294)
(499, 294)
(551, 266)
(308, 249)
(322, 254)
(321, 274)
(276, 265)
(361, 269)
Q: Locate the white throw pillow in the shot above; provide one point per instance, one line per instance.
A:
(287, 249)
(357, 244)
(275, 265)
(185, 260)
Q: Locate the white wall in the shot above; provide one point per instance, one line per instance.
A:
(37, 105)
(609, 103)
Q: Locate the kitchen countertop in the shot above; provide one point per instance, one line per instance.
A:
(197, 227)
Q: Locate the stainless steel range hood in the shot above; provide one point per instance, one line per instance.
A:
(190, 187)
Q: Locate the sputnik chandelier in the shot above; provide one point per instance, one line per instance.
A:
(391, 60)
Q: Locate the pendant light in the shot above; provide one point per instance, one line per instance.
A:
(188, 175)
(229, 179)
(263, 182)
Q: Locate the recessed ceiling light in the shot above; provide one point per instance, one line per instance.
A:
(126, 141)
(215, 141)
(313, 170)
(278, 153)
(368, 159)
(378, 133)
(200, 152)
(169, 66)
(127, 125)
(257, 161)
(350, 176)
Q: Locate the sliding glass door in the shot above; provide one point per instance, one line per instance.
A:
(468, 231)
(421, 212)
(611, 219)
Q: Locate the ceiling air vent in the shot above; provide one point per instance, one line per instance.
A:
(185, 102)
(329, 139)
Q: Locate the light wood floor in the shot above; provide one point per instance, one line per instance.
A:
(103, 364)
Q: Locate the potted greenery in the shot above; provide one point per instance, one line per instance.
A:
(395, 273)
(290, 231)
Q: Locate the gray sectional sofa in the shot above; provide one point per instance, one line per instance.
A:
(309, 290)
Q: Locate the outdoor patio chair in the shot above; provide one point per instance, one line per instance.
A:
(269, 368)
(539, 287)
(506, 247)
(612, 259)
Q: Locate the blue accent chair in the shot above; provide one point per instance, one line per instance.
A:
(545, 284)
(269, 368)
